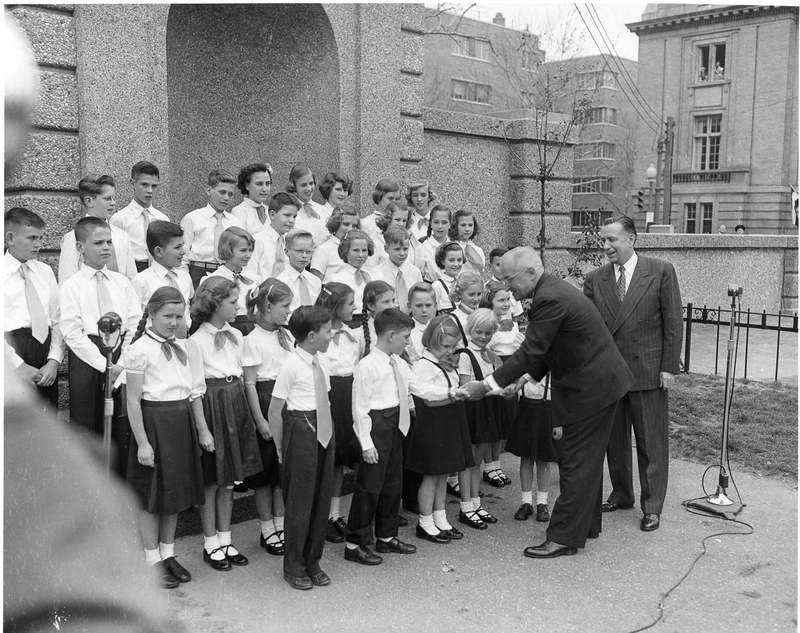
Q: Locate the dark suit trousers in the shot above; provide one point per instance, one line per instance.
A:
(378, 486)
(577, 509)
(307, 484)
(648, 412)
(34, 353)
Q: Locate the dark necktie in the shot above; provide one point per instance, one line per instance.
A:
(621, 283)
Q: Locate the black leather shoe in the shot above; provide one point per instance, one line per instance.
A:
(491, 477)
(525, 510)
(453, 534)
(320, 579)
(341, 526)
(303, 583)
(549, 549)
(218, 565)
(332, 534)
(395, 546)
(472, 520)
(453, 490)
(240, 486)
(503, 477)
(485, 516)
(610, 506)
(276, 549)
(441, 538)
(240, 560)
(649, 522)
(165, 579)
(542, 513)
(362, 554)
(402, 521)
(176, 569)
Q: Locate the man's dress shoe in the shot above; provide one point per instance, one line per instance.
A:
(549, 549)
(610, 506)
(649, 522)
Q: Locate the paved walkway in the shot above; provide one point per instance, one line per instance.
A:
(743, 583)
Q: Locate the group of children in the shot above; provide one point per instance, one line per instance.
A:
(273, 345)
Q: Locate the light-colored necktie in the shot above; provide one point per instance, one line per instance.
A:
(262, 214)
(221, 336)
(324, 419)
(402, 391)
(473, 256)
(168, 346)
(145, 223)
(506, 325)
(422, 222)
(280, 257)
(219, 228)
(240, 278)
(39, 327)
(305, 295)
(621, 283)
(401, 291)
(103, 294)
(490, 357)
(346, 331)
(112, 261)
(362, 277)
(172, 279)
(310, 211)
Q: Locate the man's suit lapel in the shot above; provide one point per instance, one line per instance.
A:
(640, 282)
(608, 288)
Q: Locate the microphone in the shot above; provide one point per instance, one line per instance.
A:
(109, 323)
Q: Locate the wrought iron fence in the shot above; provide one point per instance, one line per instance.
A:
(720, 318)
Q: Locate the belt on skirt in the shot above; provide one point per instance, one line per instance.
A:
(214, 382)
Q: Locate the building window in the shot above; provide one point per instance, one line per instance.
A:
(707, 136)
(472, 47)
(707, 209)
(581, 218)
(690, 209)
(711, 62)
(596, 116)
(707, 213)
(596, 149)
(596, 79)
(471, 91)
(530, 61)
(593, 184)
(528, 99)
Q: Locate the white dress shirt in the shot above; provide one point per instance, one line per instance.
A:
(262, 261)
(80, 312)
(295, 382)
(442, 291)
(69, 259)
(375, 389)
(218, 363)
(198, 234)
(154, 277)
(630, 267)
(425, 259)
(347, 275)
(431, 374)
(414, 347)
(367, 224)
(263, 350)
(419, 228)
(244, 288)
(506, 343)
(165, 380)
(313, 225)
(247, 213)
(15, 307)
(387, 272)
(343, 356)
(465, 364)
(129, 219)
(291, 277)
(326, 258)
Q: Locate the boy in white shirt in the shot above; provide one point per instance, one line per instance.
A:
(305, 286)
(422, 306)
(269, 249)
(397, 270)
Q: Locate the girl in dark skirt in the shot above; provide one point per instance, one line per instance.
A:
(225, 427)
(440, 441)
(266, 348)
(531, 439)
(345, 350)
(485, 417)
(164, 466)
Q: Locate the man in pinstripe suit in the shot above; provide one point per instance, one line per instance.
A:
(640, 302)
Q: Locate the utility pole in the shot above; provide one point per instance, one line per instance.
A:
(670, 146)
(657, 219)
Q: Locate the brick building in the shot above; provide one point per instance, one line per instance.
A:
(728, 75)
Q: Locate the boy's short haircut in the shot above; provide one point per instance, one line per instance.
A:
(392, 319)
(481, 316)
(246, 175)
(91, 185)
(329, 181)
(439, 327)
(86, 226)
(17, 217)
(144, 168)
(307, 319)
(347, 240)
(384, 186)
(283, 199)
(229, 239)
(334, 222)
(442, 251)
(219, 176)
(297, 234)
(497, 252)
(397, 235)
(160, 233)
(421, 287)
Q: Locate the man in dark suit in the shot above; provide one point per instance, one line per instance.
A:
(566, 337)
(640, 302)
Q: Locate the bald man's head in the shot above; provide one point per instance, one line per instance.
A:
(520, 269)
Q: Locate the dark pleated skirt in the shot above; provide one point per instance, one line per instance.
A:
(532, 433)
(484, 418)
(348, 450)
(271, 471)
(440, 441)
(236, 453)
(176, 482)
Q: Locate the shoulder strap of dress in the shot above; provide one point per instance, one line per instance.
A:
(444, 371)
(476, 366)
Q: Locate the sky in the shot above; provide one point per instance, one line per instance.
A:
(549, 17)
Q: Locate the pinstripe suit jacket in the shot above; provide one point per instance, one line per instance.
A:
(647, 325)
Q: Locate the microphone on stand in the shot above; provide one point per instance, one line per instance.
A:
(108, 325)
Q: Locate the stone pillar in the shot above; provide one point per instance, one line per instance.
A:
(412, 97)
(789, 293)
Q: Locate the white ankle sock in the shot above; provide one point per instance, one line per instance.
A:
(496, 465)
(166, 550)
(527, 497)
(224, 538)
(351, 545)
(541, 498)
(278, 524)
(210, 543)
(427, 524)
(335, 513)
(384, 539)
(267, 528)
(466, 506)
(440, 520)
(152, 556)
(476, 503)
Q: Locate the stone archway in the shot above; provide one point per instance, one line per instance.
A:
(245, 83)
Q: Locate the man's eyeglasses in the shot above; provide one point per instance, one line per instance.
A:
(507, 281)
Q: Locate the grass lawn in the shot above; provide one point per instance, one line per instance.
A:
(763, 424)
